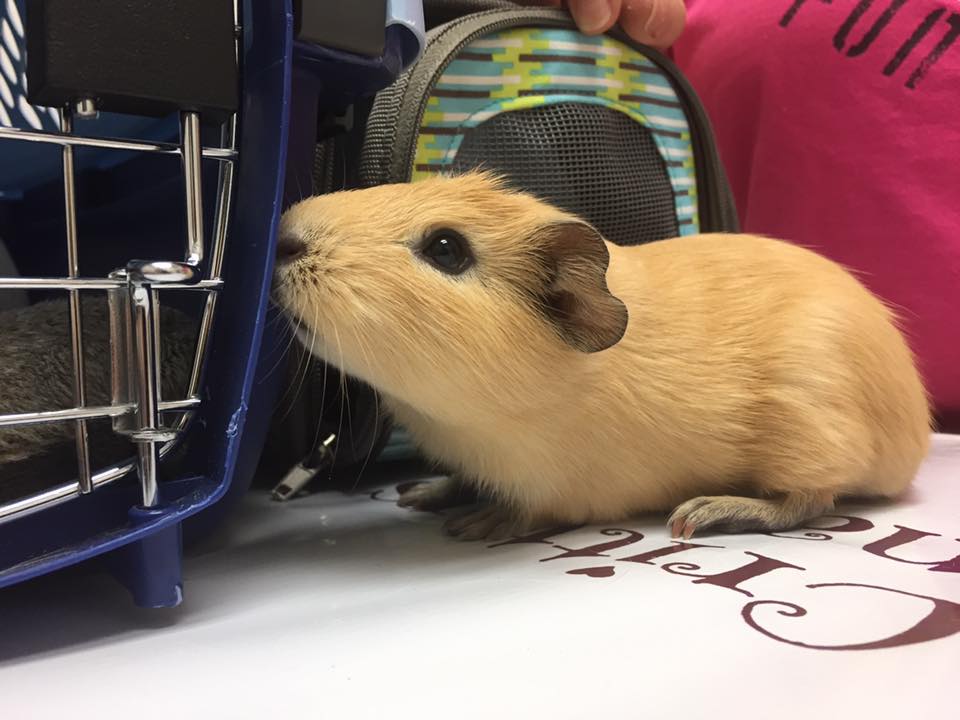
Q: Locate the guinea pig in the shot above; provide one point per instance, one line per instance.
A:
(36, 373)
(742, 382)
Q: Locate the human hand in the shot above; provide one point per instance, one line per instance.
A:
(657, 23)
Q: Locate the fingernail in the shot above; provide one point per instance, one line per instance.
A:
(656, 21)
(592, 15)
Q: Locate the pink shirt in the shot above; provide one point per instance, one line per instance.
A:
(839, 125)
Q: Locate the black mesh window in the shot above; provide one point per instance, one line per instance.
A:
(587, 159)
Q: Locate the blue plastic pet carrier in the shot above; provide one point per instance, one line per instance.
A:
(167, 200)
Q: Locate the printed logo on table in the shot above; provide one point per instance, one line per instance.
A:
(619, 550)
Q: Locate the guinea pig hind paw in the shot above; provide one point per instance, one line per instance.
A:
(742, 514)
(679, 522)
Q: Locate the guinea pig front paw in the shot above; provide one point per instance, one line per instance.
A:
(479, 522)
(439, 494)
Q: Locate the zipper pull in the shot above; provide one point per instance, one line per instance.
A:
(304, 471)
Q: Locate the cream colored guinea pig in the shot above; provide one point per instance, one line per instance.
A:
(742, 382)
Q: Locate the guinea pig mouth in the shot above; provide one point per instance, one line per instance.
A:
(284, 286)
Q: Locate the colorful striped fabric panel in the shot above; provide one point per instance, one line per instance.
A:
(528, 67)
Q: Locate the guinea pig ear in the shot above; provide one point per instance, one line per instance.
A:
(576, 298)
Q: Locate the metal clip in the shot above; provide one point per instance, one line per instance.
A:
(304, 471)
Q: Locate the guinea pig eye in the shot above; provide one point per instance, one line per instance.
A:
(448, 251)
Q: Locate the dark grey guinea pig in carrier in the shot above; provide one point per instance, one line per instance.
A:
(599, 126)
(36, 372)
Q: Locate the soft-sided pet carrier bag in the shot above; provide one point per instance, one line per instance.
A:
(599, 126)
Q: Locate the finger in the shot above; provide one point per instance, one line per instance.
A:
(594, 16)
(657, 23)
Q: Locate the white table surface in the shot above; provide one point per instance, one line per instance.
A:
(343, 606)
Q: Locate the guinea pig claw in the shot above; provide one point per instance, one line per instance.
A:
(676, 527)
(688, 530)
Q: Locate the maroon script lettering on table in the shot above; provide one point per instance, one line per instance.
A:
(731, 579)
(903, 536)
(677, 546)
(942, 621)
(605, 571)
(600, 549)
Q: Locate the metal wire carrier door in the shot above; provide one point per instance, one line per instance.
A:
(137, 410)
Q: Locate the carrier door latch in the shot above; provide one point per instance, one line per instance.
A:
(135, 360)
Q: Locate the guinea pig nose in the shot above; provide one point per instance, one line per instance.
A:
(289, 249)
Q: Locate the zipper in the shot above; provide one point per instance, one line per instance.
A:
(716, 211)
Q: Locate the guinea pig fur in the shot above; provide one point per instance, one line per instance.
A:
(36, 373)
(744, 383)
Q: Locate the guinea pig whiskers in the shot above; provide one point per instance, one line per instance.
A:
(301, 373)
(300, 195)
(294, 323)
(287, 346)
(323, 389)
(344, 405)
(376, 404)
